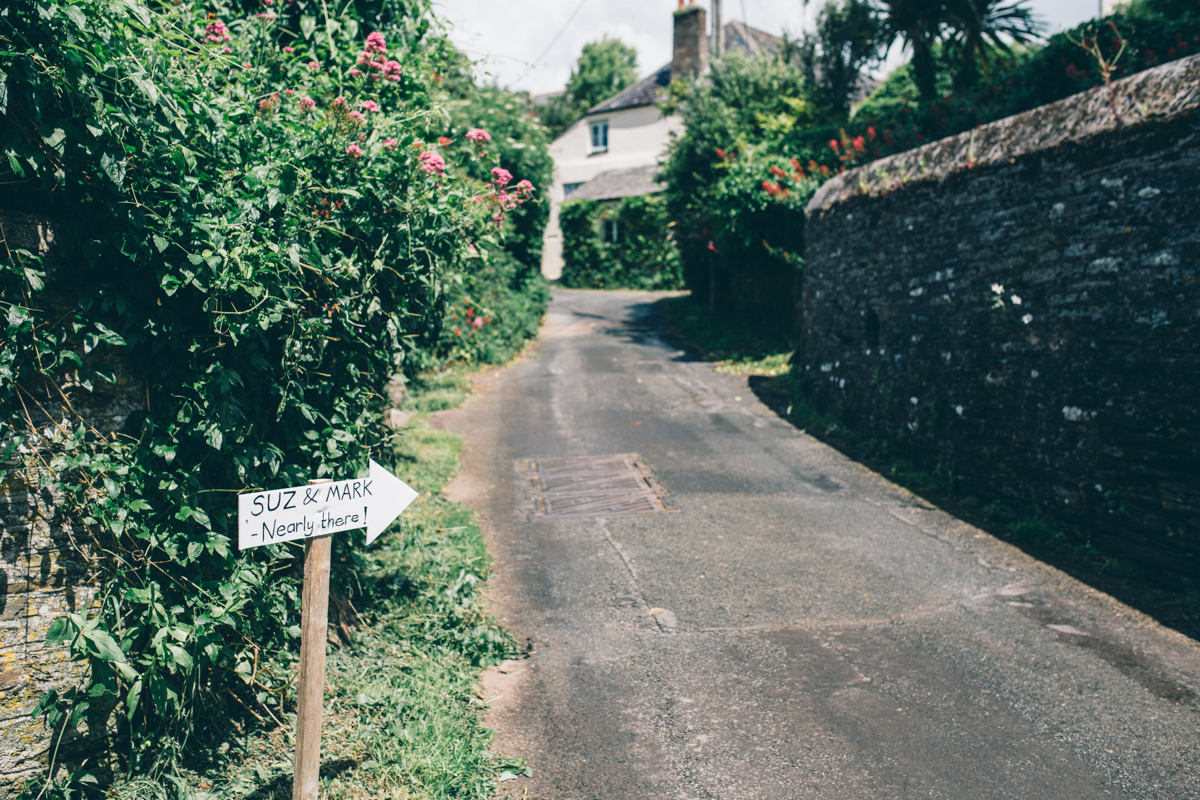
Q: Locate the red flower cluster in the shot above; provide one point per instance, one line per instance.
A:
(215, 32)
(474, 320)
(374, 58)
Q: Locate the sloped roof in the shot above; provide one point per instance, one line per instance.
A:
(643, 93)
(617, 183)
(739, 37)
(749, 41)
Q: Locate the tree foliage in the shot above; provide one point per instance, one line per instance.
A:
(846, 41)
(604, 68)
(740, 246)
(976, 30)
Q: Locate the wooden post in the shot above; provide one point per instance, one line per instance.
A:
(311, 695)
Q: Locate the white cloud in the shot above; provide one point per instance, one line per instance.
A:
(506, 37)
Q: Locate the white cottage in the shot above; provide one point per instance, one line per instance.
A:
(613, 151)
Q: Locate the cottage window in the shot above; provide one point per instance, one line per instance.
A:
(600, 137)
(612, 233)
(570, 187)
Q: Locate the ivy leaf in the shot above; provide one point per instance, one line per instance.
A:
(34, 279)
(214, 436)
(159, 242)
(13, 163)
(55, 138)
(104, 646)
(147, 87)
(135, 697)
(17, 316)
(181, 656)
(60, 630)
(139, 11)
(76, 15)
(113, 168)
(127, 672)
(307, 26)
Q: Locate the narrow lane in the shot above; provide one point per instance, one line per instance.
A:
(798, 627)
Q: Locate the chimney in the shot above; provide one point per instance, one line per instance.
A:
(689, 57)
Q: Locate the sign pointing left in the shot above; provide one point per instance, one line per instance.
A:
(302, 512)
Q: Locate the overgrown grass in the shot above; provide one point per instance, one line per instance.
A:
(402, 713)
(746, 349)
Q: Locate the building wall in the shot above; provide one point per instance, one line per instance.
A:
(637, 137)
(1083, 393)
(44, 569)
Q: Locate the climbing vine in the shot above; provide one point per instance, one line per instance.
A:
(254, 229)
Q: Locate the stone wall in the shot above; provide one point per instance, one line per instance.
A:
(1021, 302)
(43, 566)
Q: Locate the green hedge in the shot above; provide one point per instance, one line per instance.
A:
(262, 225)
(740, 244)
(643, 257)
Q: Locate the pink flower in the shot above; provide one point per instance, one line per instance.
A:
(289, 92)
(477, 322)
(444, 140)
(501, 176)
(355, 71)
(375, 43)
(479, 135)
(215, 32)
(357, 117)
(432, 163)
(363, 59)
(338, 102)
(476, 199)
(525, 186)
(390, 68)
(390, 145)
(227, 50)
(834, 144)
(306, 103)
(394, 78)
(268, 2)
(289, 50)
(246, 64)
(268, 104)
(370, 106)
(354, 151)
(313, 66)
(270, 15)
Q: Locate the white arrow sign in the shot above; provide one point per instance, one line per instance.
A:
(301, 512)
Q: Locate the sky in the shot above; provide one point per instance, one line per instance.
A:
(531, 45)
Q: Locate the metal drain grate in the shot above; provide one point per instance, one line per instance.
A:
(591, 486)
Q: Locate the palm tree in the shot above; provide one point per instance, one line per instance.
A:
(973, 29)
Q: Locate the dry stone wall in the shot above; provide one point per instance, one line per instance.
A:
(1022, 302)
(44, 570)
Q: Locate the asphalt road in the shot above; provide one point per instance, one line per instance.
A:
(799, 627)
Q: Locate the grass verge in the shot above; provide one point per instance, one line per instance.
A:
(743, 348)
(402, 716)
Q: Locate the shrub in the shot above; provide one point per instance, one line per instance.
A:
(249, 219)
(643, 257)
(740, 244)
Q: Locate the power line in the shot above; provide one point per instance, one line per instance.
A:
(561, 31)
